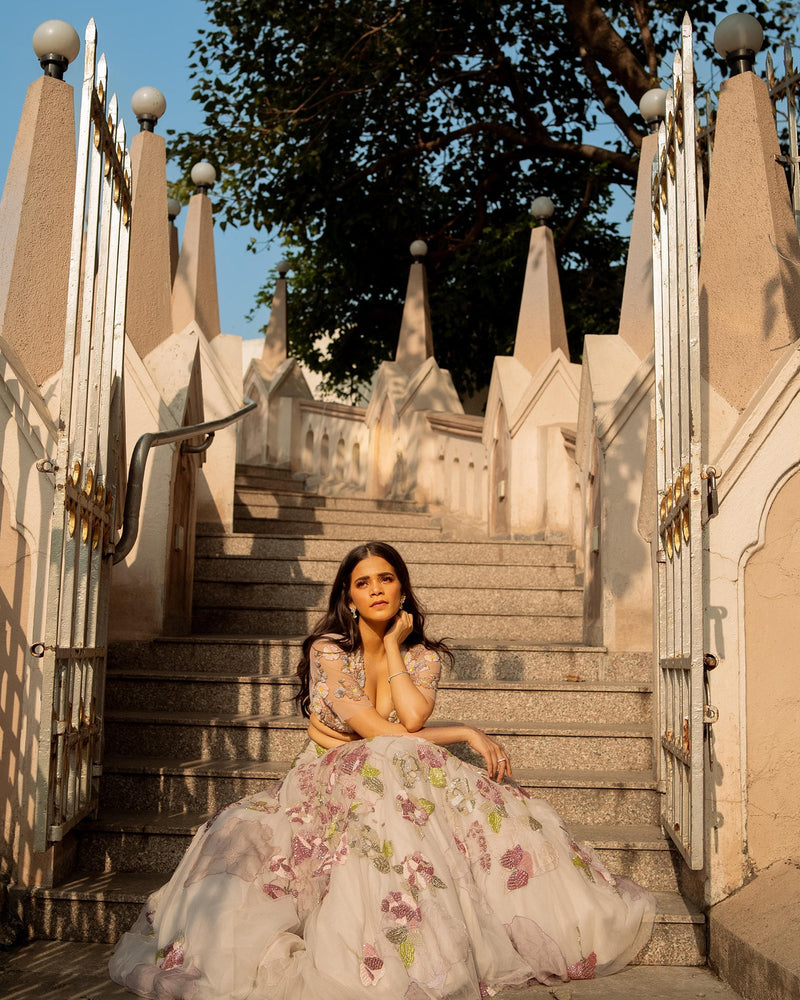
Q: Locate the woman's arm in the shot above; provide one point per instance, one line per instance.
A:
(369, 723)
(412, 704)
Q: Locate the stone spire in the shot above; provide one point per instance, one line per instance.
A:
(36, 225)
(148, 319)
(415, 343)
(750, 269)
(194, 291)
(541, 327)
(275, 340)
(636, 315)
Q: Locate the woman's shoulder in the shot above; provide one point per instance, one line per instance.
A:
(328, 643)
(419, 651)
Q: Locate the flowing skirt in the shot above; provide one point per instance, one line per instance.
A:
(384, 868)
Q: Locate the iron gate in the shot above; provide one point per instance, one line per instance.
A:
(679, 472)
(87, 466)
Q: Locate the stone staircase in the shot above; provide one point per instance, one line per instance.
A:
(195, 723)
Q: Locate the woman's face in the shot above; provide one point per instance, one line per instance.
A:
(375, 590)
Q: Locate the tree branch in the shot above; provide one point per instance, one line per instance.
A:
(604, 43)
(640, 10)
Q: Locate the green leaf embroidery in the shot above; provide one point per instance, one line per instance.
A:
(535, 824)
(437, 883)
(381, 864)
(406, 950)
(374, 784)
(582, 866)
(398, 869)
(368, 771)
(397, 936)
(437, 777)
(495, 820)
(387, 849)
(427, 805)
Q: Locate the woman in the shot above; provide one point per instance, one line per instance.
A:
(382, 866)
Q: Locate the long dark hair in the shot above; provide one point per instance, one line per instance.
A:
(338, 620)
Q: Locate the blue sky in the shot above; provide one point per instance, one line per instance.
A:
(146, 43)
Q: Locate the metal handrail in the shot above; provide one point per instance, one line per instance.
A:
(136, 469)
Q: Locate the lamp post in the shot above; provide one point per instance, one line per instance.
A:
(148, 104)
(203, 175)
(418, 249)
(542, 209)
(283, 268)
(653, 107)
(737, 39)
(56, 44)
(173, 209)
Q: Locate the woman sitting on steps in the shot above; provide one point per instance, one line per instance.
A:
(382, 866)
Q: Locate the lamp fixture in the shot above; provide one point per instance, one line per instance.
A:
(737, 39)
(56, 44)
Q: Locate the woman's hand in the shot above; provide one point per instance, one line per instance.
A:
(498, 766)
(400, 629)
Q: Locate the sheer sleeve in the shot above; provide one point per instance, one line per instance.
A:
(424, 667)
(336, 684)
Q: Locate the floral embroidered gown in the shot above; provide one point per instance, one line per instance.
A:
(384, 868)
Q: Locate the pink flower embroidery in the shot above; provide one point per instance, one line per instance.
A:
(489, 790)
(403, 908)
(417, 871)
(275, 891)
(411, 811)
(173, 956)
(280, 866)
(486, 991)
(583, 969)
(431, 755)
(371, 968)
(520, 864)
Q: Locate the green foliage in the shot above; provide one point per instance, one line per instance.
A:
(346, 130)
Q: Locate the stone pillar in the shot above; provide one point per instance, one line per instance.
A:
(194, 291)
(36, 230)
(148, 319)
(750, 269)
(415, 343)
(636, 316)
(275, 339)
(541, 327)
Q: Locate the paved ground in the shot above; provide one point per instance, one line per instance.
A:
(61, 970)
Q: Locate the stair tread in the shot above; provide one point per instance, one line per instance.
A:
(271, 769)
(289, 680)
(178, 822)
(298, 722)
(135, 887)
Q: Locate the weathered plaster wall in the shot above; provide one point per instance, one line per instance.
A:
(772, 625)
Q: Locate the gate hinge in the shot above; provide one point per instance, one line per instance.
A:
(47, 465)
(710, 714)
(709, 473)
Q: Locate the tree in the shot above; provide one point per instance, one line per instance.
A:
(350, 128)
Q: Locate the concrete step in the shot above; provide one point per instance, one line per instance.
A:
(211, 541)
(101, 906)
(351, 532)
(249, 569)
(200, 735)
(312, 517)
(172, 784)
(213, 620)
(445, 600)
(250, 490)
(123, 841)
(474, 660)
(228, 692)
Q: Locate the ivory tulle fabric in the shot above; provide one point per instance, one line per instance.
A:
(385, 868)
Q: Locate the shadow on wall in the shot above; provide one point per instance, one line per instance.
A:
(14, 587)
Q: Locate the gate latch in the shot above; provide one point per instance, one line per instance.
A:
(709, 473)
(710, 715)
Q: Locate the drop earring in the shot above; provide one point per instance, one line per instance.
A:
(402, 602)
(354, 613)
